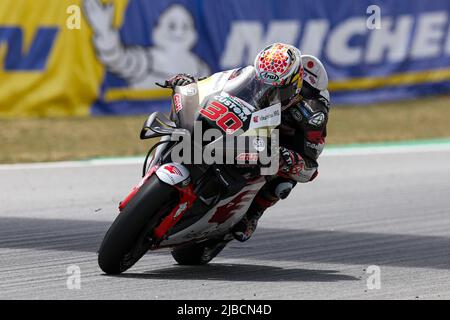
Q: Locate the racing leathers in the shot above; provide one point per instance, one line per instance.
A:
(302, 139)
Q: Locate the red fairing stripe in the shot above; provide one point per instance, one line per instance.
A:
(226, 211)
(315, 136)
(135, 189)
(187, 198)
(263, 202)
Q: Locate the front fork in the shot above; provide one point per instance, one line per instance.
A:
(187, 198)
(124, 202)
(178, 176)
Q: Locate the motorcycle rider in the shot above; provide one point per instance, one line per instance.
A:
(301, 82)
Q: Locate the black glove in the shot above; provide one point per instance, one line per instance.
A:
(289, 159)
(181, 79)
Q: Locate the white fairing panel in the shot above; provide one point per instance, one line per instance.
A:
(220, 219)
(270, 116)
(172, 173)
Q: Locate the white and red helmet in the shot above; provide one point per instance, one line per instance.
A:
(315, 73)
(280, 65)
(315, 76)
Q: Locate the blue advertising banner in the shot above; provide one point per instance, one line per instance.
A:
(404, 54)
(373, 50)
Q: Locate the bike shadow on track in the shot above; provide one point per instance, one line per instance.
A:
(240, 272)
(272, 244)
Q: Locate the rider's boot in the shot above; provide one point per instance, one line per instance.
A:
(245, 228)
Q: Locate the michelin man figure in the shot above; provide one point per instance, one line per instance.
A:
(173, 37)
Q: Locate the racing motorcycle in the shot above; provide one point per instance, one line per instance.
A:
(191, 207)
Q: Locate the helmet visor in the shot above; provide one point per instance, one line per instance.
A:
(253, 91)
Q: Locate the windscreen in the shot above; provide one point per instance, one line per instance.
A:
(248, 88)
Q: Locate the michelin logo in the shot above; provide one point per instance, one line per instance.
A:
(174, 36)
(407, 36)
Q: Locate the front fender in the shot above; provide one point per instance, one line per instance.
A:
(173, 174)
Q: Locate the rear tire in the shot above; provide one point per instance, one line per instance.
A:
(118, 251)
(198, 253)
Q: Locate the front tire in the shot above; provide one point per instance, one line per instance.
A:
(120, 248)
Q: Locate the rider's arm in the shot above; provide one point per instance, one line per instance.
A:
(310, 118)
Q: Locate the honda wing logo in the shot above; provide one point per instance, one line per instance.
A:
(173, 170)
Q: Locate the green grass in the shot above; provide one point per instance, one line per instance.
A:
(32, 140)
(406, 120)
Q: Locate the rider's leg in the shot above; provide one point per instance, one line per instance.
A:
(274, 190)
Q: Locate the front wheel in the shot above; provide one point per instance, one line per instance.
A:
(127, 238)
(198, 253)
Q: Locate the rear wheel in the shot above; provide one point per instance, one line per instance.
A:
(127, 239)
(198, 253)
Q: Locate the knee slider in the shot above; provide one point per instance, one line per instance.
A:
(283, 189)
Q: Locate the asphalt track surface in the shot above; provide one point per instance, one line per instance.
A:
(388, 209)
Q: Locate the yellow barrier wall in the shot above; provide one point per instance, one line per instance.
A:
(69, 82)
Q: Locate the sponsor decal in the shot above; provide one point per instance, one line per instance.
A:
(312, 79)
(275, 63)
(313, 145)
(324, 101)
(219, 113)
(296, 114)
(247, 157)
(189, 91)
(181, 208)
(317, 119)
(269, 76)
(306, 107)
(18, 57)
(259, 144)
(177, 102)
(233, 105)
(270, 116)
(173, 170)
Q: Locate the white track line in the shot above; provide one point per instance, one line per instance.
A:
(328, 152)
(386, 149)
